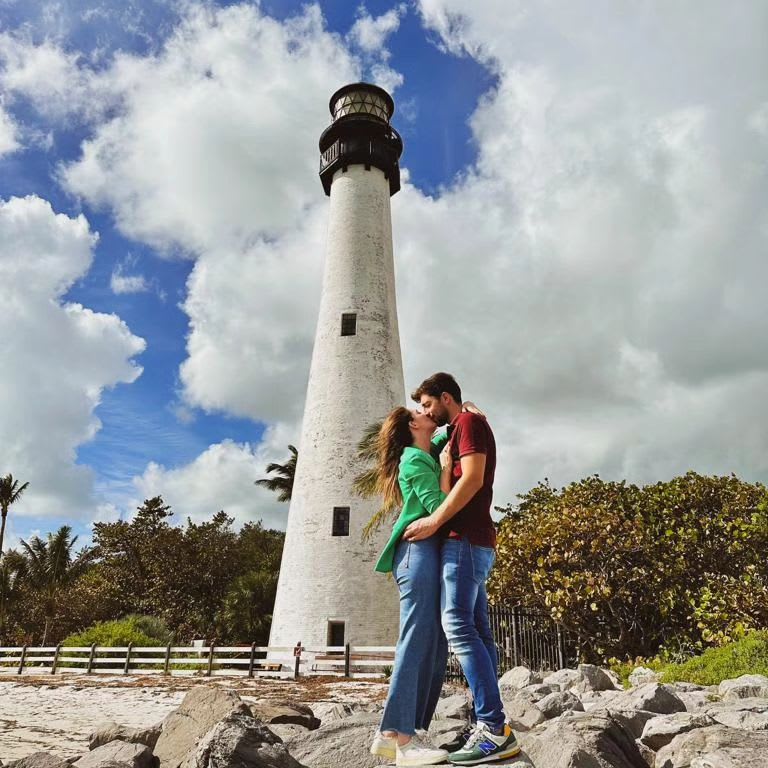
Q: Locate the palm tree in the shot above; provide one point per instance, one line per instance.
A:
(51, 566)
(282, 483)
(12, 572)
(366, 484)
(10, 492)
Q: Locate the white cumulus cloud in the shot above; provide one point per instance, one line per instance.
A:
(59, 357)
(8, 133)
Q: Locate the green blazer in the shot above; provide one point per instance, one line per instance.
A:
(419, 479)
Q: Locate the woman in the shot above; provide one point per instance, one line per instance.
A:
(409, 475)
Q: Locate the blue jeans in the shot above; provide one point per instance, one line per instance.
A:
(422, 650)
(464, 606)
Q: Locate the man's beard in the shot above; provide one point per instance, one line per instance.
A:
(440, 417)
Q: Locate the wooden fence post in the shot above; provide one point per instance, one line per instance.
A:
(252, 659)
(55, 659)
(297, 660)
(90, 659)
(210, 658)
(21, 661)
(167, 665)
(128, 659)
(347, 658)
(560, 649)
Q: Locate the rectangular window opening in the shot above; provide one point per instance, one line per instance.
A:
(335, 633)
(349, 324)
(340, 521)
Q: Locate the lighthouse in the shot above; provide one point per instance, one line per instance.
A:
(327, 592)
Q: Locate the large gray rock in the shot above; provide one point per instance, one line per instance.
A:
(582, 740)
(651, 697)
(557, 702)
(201, 709)
(743, 719)
(686, 747)
(328, 711)
(633, 720)
(660, 731)
(734, 757)
(519, 677)
(284, 713)
(642, 675)
(563, 678)
(39, 760)
(744, 687)
(455, 706)
(111, 731)
(240, 741)
(522, 715)
(534, 693)
(592, 678)
(134, 755)
(339, 744)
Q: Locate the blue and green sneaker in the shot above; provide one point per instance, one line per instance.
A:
(484, 746)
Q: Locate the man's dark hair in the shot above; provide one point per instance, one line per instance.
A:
(436, 384)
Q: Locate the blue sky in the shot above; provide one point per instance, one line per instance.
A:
(582, 237)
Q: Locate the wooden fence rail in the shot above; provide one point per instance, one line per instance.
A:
(243, 660)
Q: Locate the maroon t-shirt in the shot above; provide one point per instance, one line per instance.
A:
(471, 434)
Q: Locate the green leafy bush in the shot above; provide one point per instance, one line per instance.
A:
(135, 629)
(748, 656)
(671, 567)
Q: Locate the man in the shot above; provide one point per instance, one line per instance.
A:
(468, 553)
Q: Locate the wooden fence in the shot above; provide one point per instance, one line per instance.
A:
(242, 660)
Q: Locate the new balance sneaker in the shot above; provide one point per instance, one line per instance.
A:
(384, 746)
(484, 746)
(415, 753)
(459, 740)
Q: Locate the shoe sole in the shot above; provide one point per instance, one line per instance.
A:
(416, 762)
(490, 758)
(387, 754)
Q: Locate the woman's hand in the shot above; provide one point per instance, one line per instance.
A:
(446, 460)
(470, 407)
(446, 469)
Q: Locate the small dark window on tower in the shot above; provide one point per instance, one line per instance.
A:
(340, 522)
(336, 633)
(349, 324)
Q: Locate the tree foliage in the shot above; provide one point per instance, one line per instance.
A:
(11, 491)
(630, 570)
(284, 475)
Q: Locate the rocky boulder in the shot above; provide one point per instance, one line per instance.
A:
(733, 757)
(534, 693)
(652, 697)
(582, 740)
(519, 677)
(563, 678)
(456, 706)
(642, 675)
(659, 731)
(592, 678)
(522, 715)
(200, 710)
(134, 755)
(39, 760)
(339, 744)
(285, 713)
(240, 741)
(111, 731)
(699, 743)
(557, 702)
(744, 687)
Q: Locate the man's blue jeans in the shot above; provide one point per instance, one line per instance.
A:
(422, 650)
(464, 606)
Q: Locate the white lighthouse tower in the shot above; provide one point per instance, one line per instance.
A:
(328, 593)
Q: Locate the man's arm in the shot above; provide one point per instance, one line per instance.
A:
(470, 482)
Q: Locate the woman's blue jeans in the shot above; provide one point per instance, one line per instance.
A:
(422, 650)
(464, 606)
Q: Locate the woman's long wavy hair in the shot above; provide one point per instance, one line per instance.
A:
(394, 436)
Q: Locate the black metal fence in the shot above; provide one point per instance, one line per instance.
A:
(525, 638)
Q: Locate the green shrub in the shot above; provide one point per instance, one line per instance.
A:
(135, 629)
(748, 656)
(633, 571)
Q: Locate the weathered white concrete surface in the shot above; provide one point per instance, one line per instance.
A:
(354, 381)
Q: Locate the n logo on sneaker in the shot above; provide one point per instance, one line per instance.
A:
(486, 747)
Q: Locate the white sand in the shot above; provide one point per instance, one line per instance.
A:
(57, 713)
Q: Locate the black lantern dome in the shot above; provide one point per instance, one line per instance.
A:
(360, 134)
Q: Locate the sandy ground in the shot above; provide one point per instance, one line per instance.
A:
(58, 713)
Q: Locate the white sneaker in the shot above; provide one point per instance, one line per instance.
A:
(384, 746)
(415, 753)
